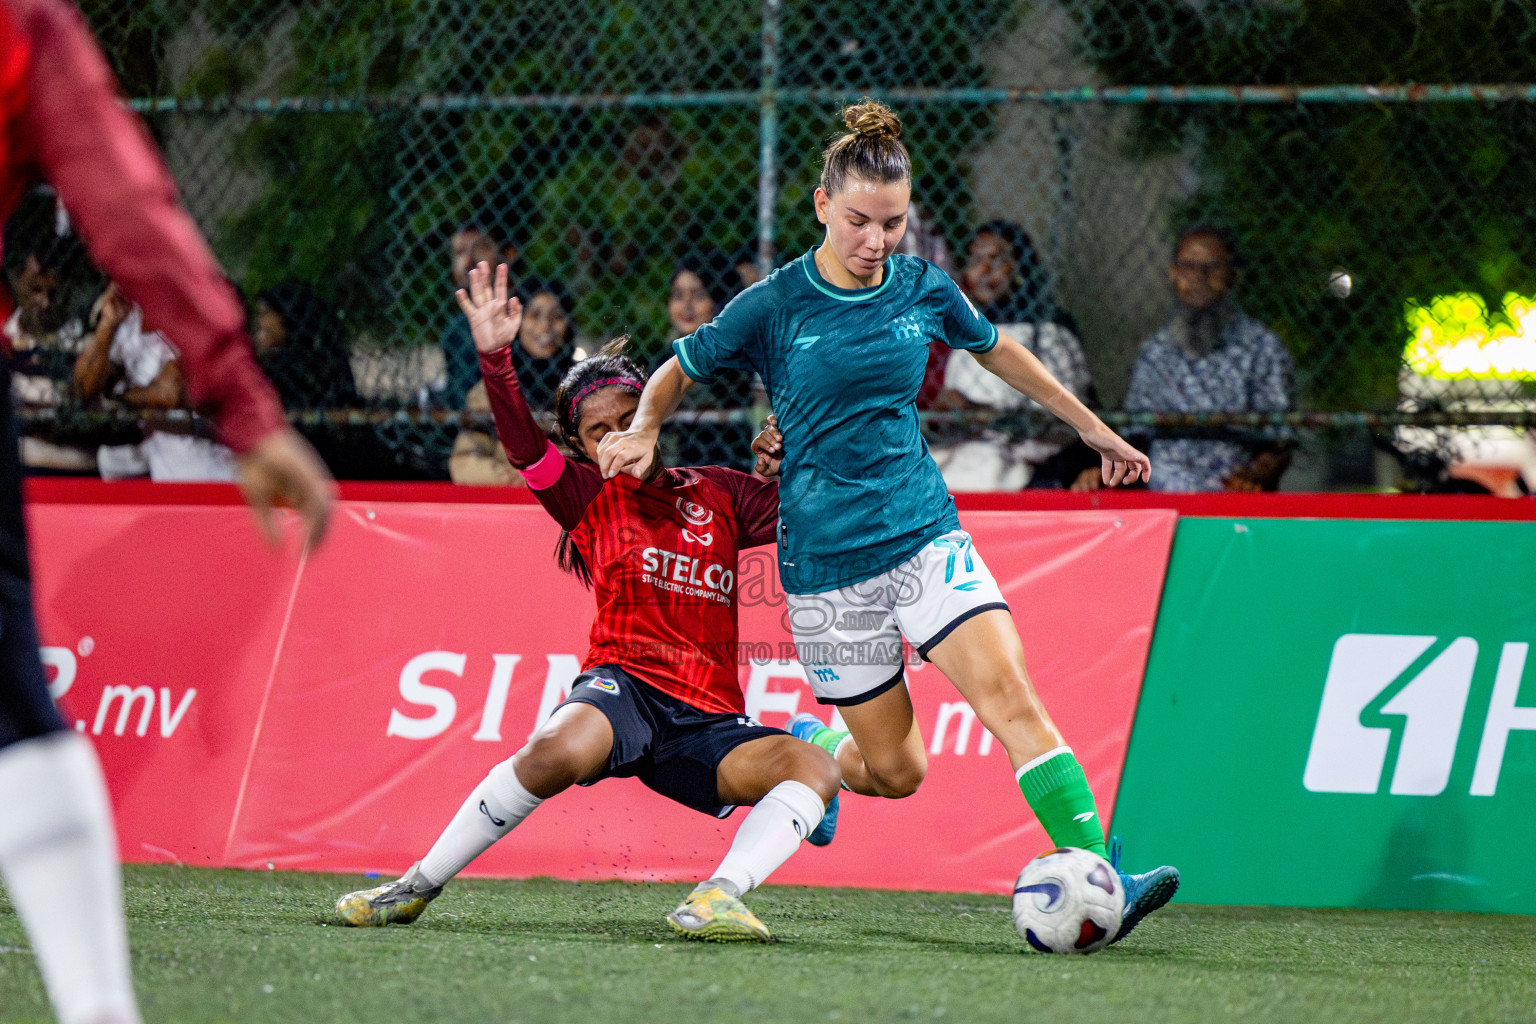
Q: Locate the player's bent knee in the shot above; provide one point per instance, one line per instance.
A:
(819, 771)
(898, 779)
(551, 761)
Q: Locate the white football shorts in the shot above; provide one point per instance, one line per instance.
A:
(849, 639)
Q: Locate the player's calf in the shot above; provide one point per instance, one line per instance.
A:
(767, 838)
(886, 756)
(817, 770)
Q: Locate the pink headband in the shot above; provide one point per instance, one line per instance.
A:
(604, 382)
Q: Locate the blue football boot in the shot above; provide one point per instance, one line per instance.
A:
(1144, 893)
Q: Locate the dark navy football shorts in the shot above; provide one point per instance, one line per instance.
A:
(26, 709)
(671, 746)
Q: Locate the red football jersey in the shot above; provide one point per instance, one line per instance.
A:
(663, 554)
(663, 561)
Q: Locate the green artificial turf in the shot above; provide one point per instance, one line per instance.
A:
(236, 946)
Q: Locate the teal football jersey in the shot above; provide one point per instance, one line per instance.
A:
(859, 493)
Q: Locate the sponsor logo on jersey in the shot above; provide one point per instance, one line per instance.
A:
(697, 515)
(698, 538)
(805, 341)
(686, 575)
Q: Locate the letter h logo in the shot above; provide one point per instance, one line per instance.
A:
(1349, 756)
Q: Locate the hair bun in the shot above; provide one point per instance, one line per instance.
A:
(872, 119)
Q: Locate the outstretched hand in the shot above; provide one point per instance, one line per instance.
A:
(284, 469)
(1122, 465)
(494, 319)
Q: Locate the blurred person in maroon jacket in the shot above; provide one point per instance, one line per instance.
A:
(61, 121)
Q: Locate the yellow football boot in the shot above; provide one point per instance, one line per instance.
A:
(399, 902)
(713, 912)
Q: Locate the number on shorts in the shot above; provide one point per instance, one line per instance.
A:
(954, 547)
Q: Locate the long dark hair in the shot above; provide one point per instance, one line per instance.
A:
(609, 365)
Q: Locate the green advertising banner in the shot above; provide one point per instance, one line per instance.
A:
(1339, 714)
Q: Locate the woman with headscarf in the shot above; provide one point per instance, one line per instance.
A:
(545, 343)
(302, 348)
(701, 285)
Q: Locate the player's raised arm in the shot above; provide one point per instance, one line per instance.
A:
(112, 181)
(1022, 370)
(494, 319)
(563, 488)
(632, 451)
(699, 358)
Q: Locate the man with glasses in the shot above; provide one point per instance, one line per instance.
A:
(1211, 357)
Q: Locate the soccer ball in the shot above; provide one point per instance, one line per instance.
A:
(1068, 901)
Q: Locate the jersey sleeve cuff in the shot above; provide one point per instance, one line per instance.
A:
(545, 473)
(680, 350)
(991, 343)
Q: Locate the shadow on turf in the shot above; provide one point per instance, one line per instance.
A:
(819, 922)
(802, 935)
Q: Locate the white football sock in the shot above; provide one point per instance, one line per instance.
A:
(58, 856)
(770, 834)
(494, 808)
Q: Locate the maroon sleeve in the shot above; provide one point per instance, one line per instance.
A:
(563, 486)
(99, 157)
(756, 501)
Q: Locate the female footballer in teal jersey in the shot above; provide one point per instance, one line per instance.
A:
(868, 534)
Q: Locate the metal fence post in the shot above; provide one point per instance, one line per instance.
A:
(768, 133)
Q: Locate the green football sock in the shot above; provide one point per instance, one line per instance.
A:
(829, 739)
(1057, 790)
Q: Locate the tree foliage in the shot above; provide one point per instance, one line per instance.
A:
(605, 196)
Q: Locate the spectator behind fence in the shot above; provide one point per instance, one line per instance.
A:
(701, 286)
(1001, 277)
(925, 241)
(302, 345)
(745, 265)
(302, 348)
(42, 336)
(1211, 357)
(543, 353)
(469, 245)
(129, 363)
(922, 241)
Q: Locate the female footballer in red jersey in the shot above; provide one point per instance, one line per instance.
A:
(658, 697)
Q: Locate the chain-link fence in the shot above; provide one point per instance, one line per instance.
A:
(638, 161)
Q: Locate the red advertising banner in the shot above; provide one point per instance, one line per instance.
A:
(330, 713)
